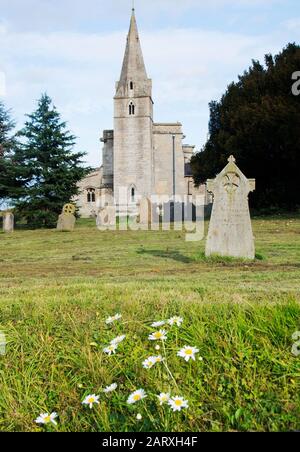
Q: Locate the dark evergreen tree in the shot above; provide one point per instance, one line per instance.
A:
(7, 145)
(258, 120)
(46, 167)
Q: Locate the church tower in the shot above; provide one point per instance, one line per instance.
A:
(133, 124)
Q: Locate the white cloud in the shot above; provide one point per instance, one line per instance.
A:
(293, 24)
(189, 67)
(2, 84)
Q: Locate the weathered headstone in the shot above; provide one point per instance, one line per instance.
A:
(2, 343)
(8, 222)
(106, 217)
(145, 211)
(66, 220)
(230, 230)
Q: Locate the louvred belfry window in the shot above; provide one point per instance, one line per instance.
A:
(131, 109)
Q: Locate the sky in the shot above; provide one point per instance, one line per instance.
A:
(73, 50)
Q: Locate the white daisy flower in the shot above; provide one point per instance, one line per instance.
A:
(90, 400)
(117, 317)
(139, 417)
(111, 349)
(151, 361)
(148, 363)
(160, 335)
(175, 321)
(46, 418)
(158, 324)
(158, 359)
(136, 396)
(163, 397)
(113, 319)
(110, 388)
(109, 320)
(118, 340)
(178, 403)
(188, 353)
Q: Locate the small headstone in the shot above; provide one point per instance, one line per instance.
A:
(66, 220)
(106, 217)
(8, 222)
(2, 343)
(230, 230)
(145, 211)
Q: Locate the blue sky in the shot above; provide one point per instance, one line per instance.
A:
(193, 49)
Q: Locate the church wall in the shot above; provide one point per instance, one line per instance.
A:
(133, 145)
(108, 159)
(90, 183)
(163, 159)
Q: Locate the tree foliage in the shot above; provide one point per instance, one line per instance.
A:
(7, 145)
(258, 121)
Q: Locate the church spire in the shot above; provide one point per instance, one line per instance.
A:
(133, 69)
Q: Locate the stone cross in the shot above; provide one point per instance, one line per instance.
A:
(8, 222)
(230, 230)
(66, 220)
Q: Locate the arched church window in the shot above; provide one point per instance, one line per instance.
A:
(131, 109)
(132, 194)
(131, 85)
(91, 195)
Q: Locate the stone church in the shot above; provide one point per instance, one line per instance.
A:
(140, 157)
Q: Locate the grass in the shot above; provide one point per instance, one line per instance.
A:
(56, 289)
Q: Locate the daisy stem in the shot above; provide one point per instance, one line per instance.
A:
(165, 361)
(149, 414)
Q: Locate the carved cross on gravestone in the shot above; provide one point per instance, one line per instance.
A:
(230, 230)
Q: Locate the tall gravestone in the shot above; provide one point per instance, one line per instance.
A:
(106, 218)
(66, 220)
(230, 230)
(145, 212)
(8, 222)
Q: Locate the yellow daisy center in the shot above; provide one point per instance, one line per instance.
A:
(189, 351)
(158, 335)
(178, 402)
(91, 400)
(47, 418)
(136, 397)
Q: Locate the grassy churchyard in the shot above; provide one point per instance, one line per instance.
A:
(57, 290)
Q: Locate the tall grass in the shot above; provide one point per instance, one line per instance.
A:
(56, 290)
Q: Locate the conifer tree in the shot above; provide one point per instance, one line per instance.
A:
(7, 144)
(46, 166)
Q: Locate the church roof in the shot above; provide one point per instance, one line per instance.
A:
(133, 64)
